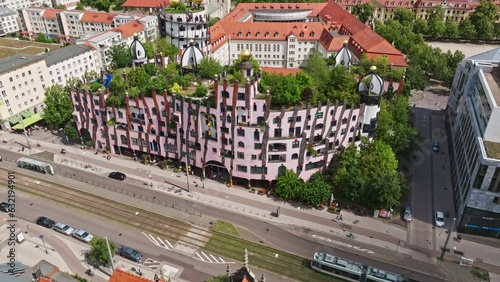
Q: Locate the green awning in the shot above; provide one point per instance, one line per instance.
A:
(14, 119)
(29, 121)
(27, 114)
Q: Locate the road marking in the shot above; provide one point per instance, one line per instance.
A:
(222, 260)
(198, 255)
(151, 263)
(170, 245)
(150, 238)
(213, 258)
(342, 244)
(206, 256)
(158, 241)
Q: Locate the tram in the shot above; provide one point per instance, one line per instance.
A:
(351, 271)
(35, 165)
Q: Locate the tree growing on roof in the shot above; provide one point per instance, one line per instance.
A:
(120, 57)
(58, 108)
(209, 68)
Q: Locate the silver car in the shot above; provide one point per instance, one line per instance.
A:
(439, 219)
(82, 235)
(64, 228)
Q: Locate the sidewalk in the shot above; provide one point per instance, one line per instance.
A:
(367, 230)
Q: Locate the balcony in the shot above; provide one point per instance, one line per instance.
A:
(277, 147)
(277, 158)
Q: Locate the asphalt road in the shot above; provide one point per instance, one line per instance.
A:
(272, 234)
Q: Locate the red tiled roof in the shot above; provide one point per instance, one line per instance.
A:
(283, 71)
(129, 28)
(50, 13)
(98, 17)
(276, 31)
(146, 3)
(244, 8)
(123, 276)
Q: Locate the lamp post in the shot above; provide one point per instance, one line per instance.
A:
(447, 239)
(109, 249)
(65, 137)
(25, 133)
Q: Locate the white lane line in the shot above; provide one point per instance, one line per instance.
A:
(214, 258)
(161, 242)
(171, 247)
(206, 256)
(154, 240)
(150, 238)
(199, 256)
(222, 260)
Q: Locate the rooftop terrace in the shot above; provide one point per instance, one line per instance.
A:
(493, 79)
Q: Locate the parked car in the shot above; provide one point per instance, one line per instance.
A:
(435, 146)
(63, 228)
(439, 219)
(82, 235)
(5, 207)
(45, 222)
(129, 253)
(117, 175)
(407, 214)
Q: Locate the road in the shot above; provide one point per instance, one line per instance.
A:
(272, 234)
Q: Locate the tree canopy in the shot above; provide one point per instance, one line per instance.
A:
(59, 109)
(99, 251)
(209, 68)
(120, 57)
(363, 12)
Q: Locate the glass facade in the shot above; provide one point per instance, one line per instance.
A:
(482, 108)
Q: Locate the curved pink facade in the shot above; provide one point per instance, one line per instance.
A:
(241, 133)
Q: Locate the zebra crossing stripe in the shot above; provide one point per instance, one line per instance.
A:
(198, 255)
(206, 256)
(213, 258)
(161, 242)
(171, 247)
(150, 238)
(222, 260)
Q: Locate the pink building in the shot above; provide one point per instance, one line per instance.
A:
(234, 132)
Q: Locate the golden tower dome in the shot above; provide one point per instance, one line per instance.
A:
(373, 68)
(175, 3)
(245, 55)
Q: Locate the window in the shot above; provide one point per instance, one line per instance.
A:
(258, 146)
(240, 132)
(480, 176)
(295, 156)
(240, 155)
(258, 170)
(295, 143)
(4, 93)
(241, 144)
(241, 168)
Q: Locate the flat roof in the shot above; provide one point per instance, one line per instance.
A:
(493, 79)
(17, 61)
(65, 53)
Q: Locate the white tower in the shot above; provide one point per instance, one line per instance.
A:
(371, 90)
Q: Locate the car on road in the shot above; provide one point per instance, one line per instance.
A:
(5, 207)
(129, 253)
(45, 222)
(64, 228)
(435, 146)
(439, 219)
(117, 175)
(407, 214)
(82, 235)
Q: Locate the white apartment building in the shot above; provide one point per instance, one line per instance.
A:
(8, 21)
(122, 35)
(23, 79)
(68, 26)
(74, 61)
(474, 114)
(19, 4)
(69, 4)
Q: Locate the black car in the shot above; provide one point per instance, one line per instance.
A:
(45, 222)
(435, 146)
(117, 175)
(129, 253)
(5, 207)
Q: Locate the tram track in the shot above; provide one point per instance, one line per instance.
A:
(144, 220)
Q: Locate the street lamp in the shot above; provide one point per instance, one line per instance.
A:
(109, 249)
(25, 133)
(447, 239)
(65, 137)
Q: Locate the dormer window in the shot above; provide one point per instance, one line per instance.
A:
(249, 34)
(276, 34)
(311, 34)
(302, 34)
(267, 34)
(258, 34)
(240, 34)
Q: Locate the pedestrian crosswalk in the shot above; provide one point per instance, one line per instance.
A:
(207, 257)
(151, 263)
(163, 243)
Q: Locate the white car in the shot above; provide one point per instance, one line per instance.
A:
(82, 235)
(64, 228)
(439, 219)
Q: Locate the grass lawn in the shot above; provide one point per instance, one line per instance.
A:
(9, 47)
(264, 257)
(225, 227)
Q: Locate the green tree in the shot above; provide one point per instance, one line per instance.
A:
(483, 19)
(60, 6)
(40, 37)
(286, 92)
(288, 185)
(317, 68)
(451, 29)
(303, 80)
(404, 17)
(316, 191)
(120, 57)
(497, 30)
(169, 50)
(138, 78)
(415, 77)
(436, 26)
(341, 86)
(150, 49)
(99, 252)
(363, 12)
(175, 89)
(209, 68)
(80, 6)
(71, 131)
(150, 69)
(201, 91)
(420, 26)
(118, 87)
(58, 104)
(157, 83)
(219, 278)
(466, 29)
